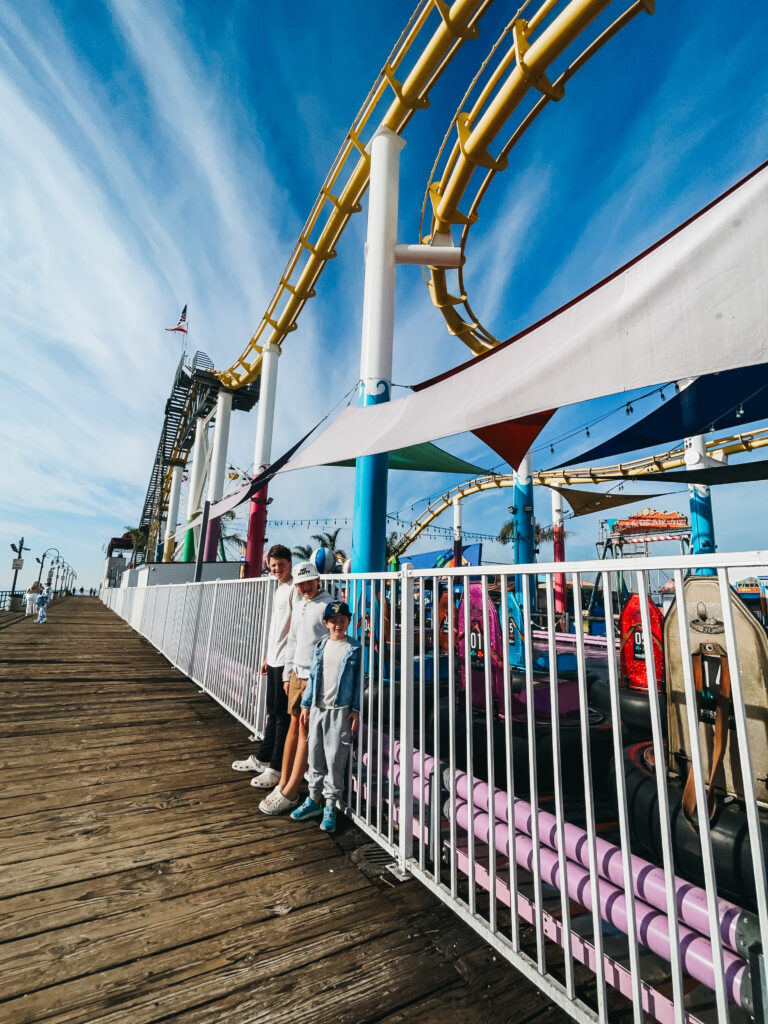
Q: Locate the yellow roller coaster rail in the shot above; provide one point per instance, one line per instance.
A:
(637, 469)
(433, 36)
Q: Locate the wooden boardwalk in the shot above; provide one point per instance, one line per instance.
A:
(139, 883)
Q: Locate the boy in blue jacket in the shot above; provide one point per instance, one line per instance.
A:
(330, 708)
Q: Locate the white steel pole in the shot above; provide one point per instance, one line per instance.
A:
(195, 485)
(457, 536)
(558, 542)
(262, 451)
(262, 454)
(198, 468)
(369, 524)
(173, 513)
(218, 469)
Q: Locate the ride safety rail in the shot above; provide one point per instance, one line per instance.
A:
(587, 794)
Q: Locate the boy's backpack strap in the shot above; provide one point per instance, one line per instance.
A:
(722, 714)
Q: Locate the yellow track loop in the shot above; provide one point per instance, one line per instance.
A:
(507, 76)
(634, 470)
(339, 199)
(432, 38)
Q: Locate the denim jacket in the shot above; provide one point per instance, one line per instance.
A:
(348, 692)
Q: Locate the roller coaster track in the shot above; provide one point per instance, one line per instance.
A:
(431, 40)
(633, 470)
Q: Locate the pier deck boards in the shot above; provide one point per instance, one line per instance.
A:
(139, 883)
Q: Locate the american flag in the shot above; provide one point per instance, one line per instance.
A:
(182, 323)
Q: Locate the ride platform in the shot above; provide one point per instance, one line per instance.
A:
(139, 883)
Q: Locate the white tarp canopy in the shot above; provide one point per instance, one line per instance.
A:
(695, 303)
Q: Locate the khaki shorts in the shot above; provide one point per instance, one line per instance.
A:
(296, 688)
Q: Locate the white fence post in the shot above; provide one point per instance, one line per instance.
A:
(406, 719)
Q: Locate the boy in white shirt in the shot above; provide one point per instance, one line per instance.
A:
(270, 757)
(307, 627)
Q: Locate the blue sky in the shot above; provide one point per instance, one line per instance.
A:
(154, 154)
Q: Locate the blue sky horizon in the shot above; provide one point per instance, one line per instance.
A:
(161, 154)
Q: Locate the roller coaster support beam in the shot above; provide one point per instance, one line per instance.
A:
(195, 486)
(257, 516)
(700, 499)
(457, 539)
(370, 510)
(218, 469)
(558, 538)
(522, 513)
(173, 513)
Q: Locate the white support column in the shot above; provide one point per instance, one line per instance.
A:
(198, 467)
(220, 441)
(173, 513)
(218, 469)
(457, 534)
(558, 541)
(262, 455)
(262, 452)
(370, 511)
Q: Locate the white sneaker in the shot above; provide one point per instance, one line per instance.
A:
(275, 803)
(267, 780)
(250, 764)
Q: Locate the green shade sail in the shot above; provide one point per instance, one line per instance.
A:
(427, 458)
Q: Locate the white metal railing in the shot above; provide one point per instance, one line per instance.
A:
(494, 762)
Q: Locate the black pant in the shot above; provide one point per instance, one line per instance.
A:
(278, 720)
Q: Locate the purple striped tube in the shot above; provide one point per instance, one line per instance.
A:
(738, 928)
(652, 929)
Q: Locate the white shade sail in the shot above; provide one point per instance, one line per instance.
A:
(694, 303)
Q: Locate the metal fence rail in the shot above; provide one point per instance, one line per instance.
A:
(604, 837)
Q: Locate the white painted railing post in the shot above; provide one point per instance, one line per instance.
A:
(406, 719)
(204, 680)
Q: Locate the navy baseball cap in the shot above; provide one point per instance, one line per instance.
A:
(337, 608)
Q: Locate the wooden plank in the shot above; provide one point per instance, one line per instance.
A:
(141, 884)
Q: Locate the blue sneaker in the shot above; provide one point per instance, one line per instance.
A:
(309, 809)
(328, 824)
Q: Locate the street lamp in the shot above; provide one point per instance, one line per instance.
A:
(57, 564)
(42, 560)
(19, 550)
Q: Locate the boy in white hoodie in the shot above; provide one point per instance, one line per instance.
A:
(307, 627)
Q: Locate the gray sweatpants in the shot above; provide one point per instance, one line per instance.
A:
(330, 741)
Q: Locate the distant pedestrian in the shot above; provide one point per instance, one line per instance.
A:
(81, 591)
(31, 598)
(42, 604)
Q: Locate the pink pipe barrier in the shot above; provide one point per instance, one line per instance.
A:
(429, 761)
(738, 928)
(652, 926)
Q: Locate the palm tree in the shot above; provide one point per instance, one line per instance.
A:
(328, 540)
(233, 543)
(541, 534)
(303, 551)
(390, 544)
(138, 539)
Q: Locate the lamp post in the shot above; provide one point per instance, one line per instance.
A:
(41, 561)
(20, 549)
(57, 563)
